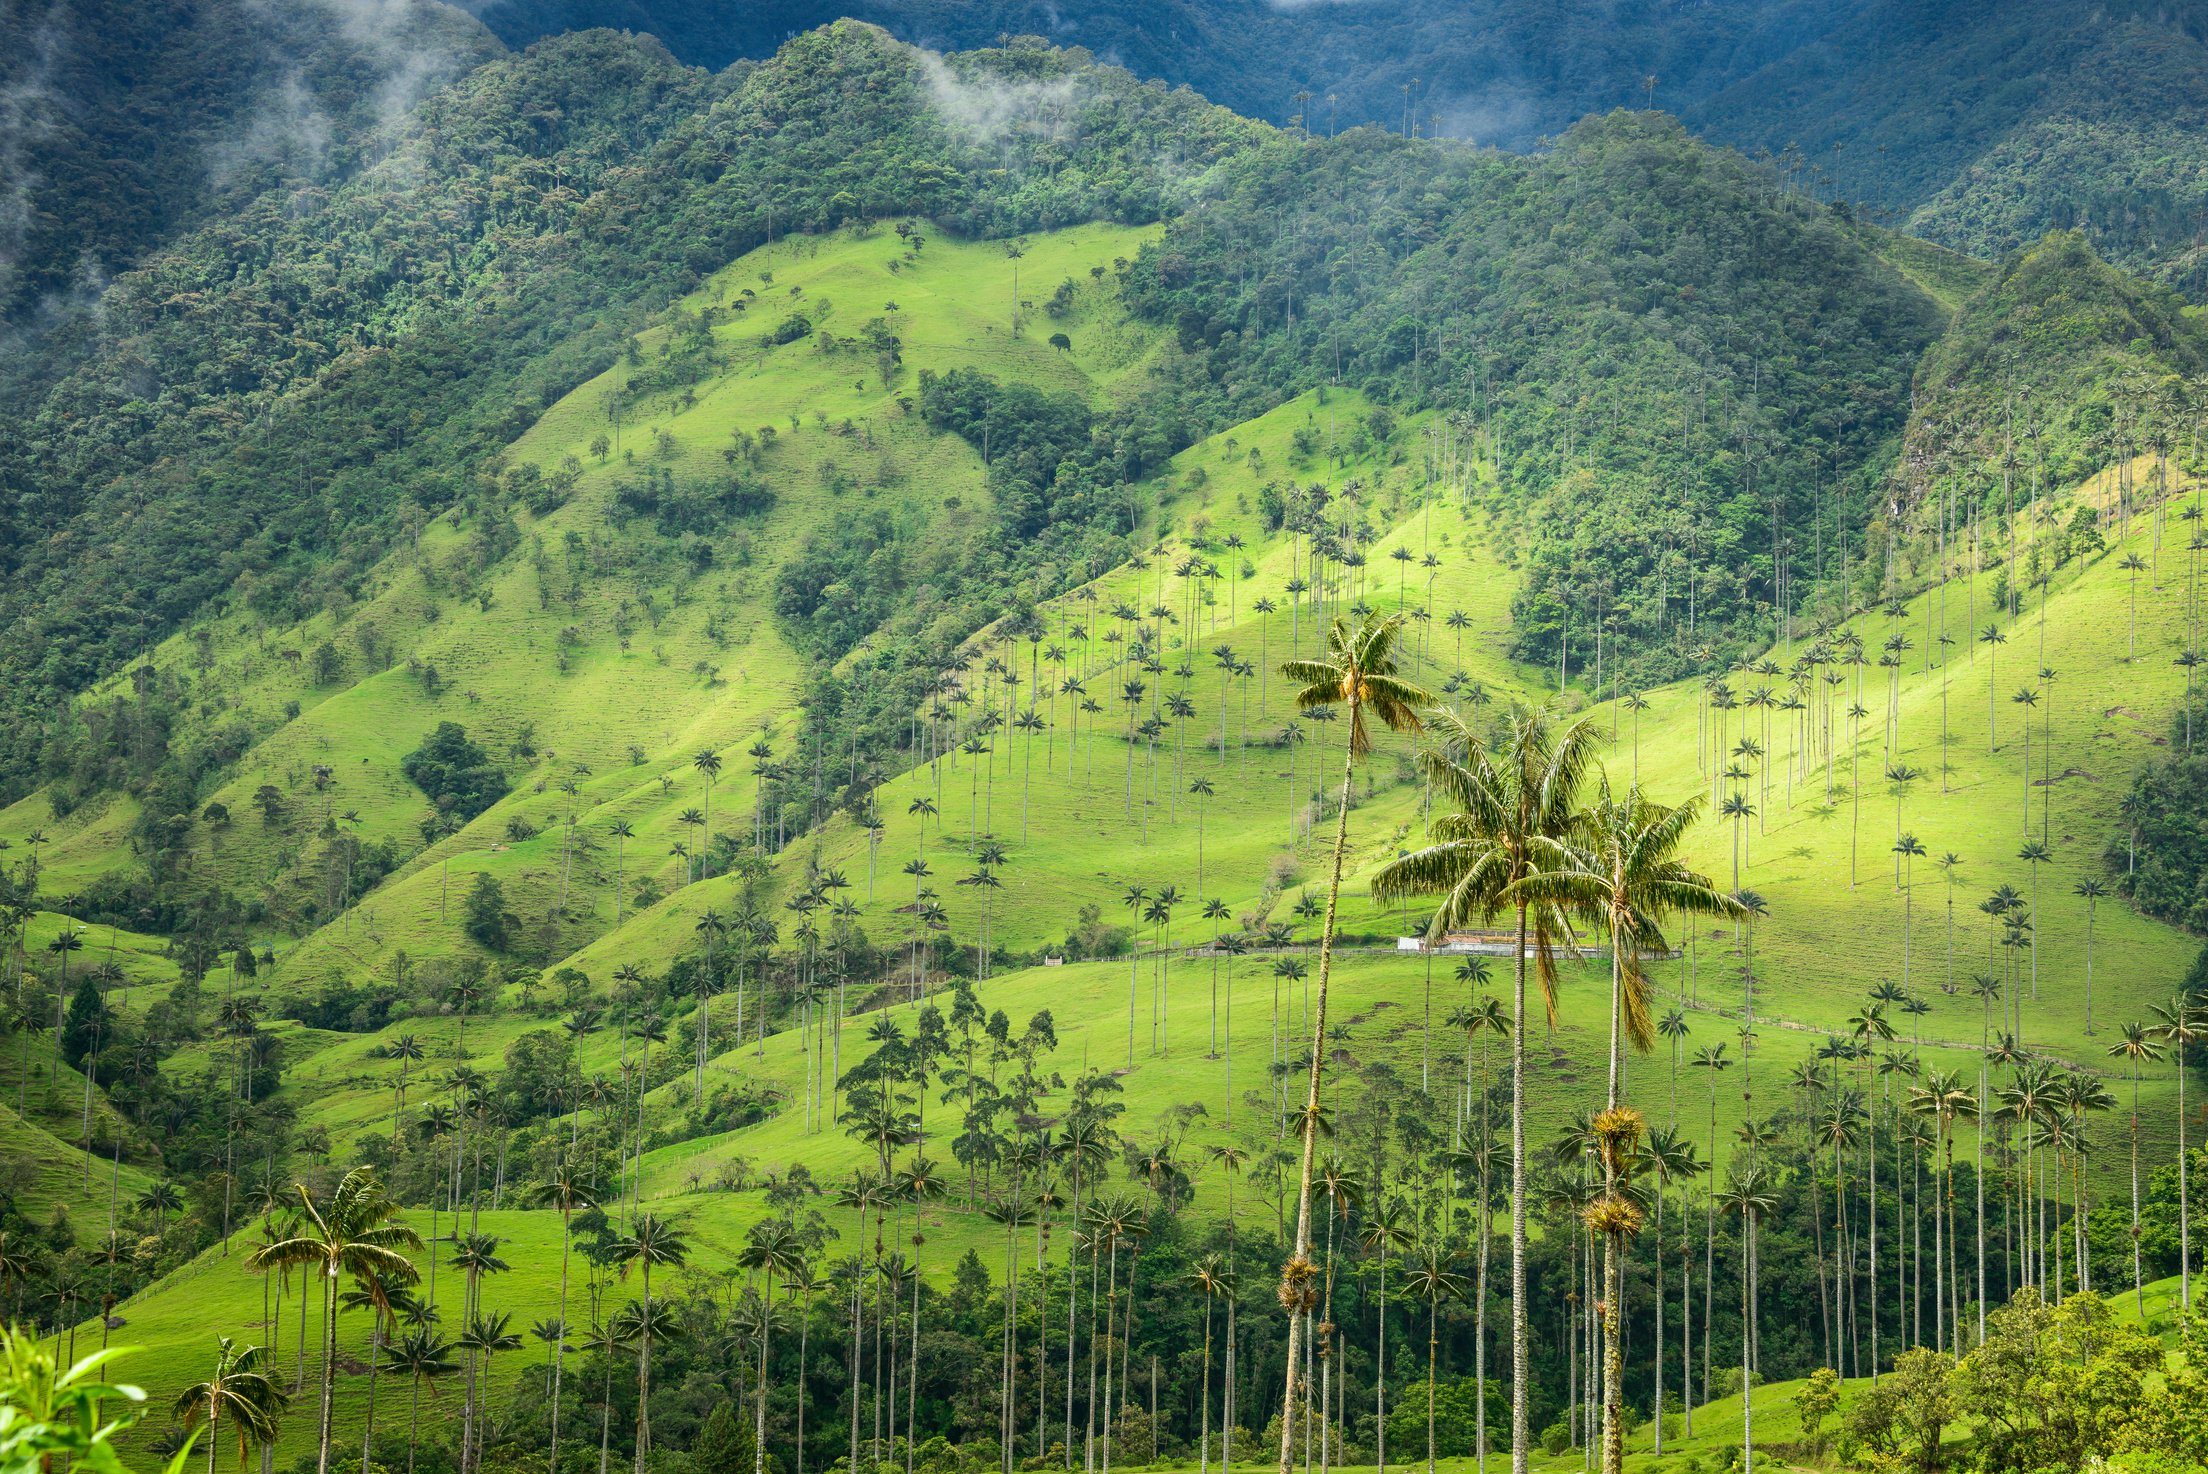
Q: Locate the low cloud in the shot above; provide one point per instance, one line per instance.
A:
(1000, 109)
(27, 104)
(405, 49)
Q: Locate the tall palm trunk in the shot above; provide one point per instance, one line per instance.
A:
(1111, 1317)
(804, 1335)
(329, 1365)
(2184, 1209)
(1203, 1441)
(1657, 1403)
(1380, 1373)
(368, 1423)
(2138, 1288)
(912, 1362)
(559, 1347)
(644, 1377)
(1747, 1341)
(1433, 1345)
(1521, 1340)
(759, 1419)
(1613, 1247)
(1226, 1397)
(1296, 1274)
(1479, 1317)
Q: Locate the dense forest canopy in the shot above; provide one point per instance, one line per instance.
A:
(1983, 124)
(123, 126)
(1677, 363)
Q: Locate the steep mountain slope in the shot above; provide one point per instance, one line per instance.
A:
(1984, 125)
(123, 127)
(240, 431)
(1182, 1025)
(2071, 350)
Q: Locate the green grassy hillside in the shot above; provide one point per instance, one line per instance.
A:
(1179, 1025)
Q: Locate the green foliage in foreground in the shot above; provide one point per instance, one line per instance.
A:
(51, 1410)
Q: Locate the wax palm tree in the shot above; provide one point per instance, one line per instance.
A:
(1749, 1195)
(622, 832)
(708, 764)
(919, 1182)
(1671, 1157)
(2028, 1102)
(476, 1256)
(2137, 1047)
(1993, 639)
(484, 1336)
(1381, 1232)
(1342, 1191)
(1737, 808)
(2076, 1095)
(651, 1243)
(407, 1050)
(1213, 1278)
(1514, 805)
(1636, 703)
(1483, 1022)
(1673, 1026)
(1201, 790)
(2134, 565)
(1357, 671)
(2092, 890)
(570, 1189)
(420, 1357)
(1712, 1060)
(2180, 1024)
(1949, 864)
(1946, 1100)
(352, 1235)
(774, 1248)
(1429, 1279)
(1624, 875)
(239, 1390)
(2027, 698)
(616, 1336)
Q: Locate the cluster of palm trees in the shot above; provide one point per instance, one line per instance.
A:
(353, 1248)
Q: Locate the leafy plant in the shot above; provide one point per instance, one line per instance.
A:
(47, 1410)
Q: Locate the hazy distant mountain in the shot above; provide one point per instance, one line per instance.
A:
(1979, 123)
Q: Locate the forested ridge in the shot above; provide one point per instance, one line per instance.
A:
(1981, 124)
(125, 126)
(242, 430)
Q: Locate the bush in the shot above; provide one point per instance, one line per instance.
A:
(489, 924)
(454, 772)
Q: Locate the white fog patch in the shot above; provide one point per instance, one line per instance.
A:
(1497, 115)
(404, 49)
(285, 127)
(26, 117)
(1000, 108)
